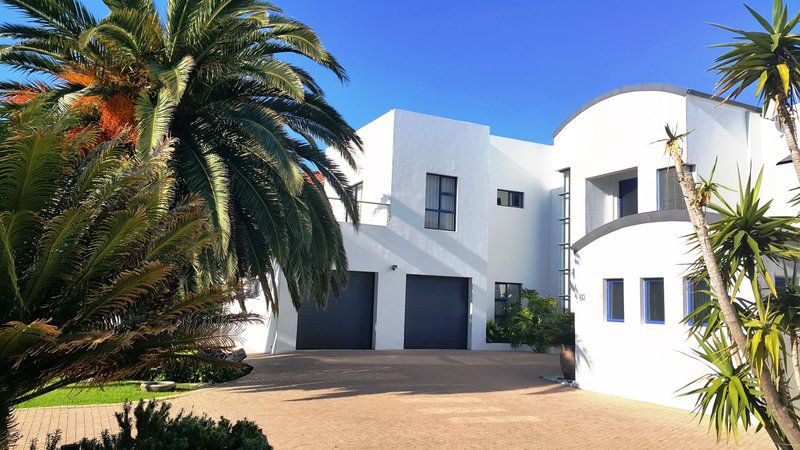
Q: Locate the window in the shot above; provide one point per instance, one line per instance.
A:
(505, 295)
(653, 300)
(509, 198)
(628, 200)
(358, 191)
(780, 283)
(615, 301)
(697, 295)
(440, 202)
(670, 195)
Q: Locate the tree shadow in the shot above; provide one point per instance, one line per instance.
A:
(350, 373)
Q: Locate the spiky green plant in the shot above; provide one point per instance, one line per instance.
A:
(770, 59)
(747, 241)
(246, 123)
(96, 256)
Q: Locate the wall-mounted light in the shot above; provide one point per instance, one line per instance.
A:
(394, 266)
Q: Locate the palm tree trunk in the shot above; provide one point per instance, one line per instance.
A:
(795, 343)
(776, 408)
(787, 119)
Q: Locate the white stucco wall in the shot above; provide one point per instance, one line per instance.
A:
(519, 239)
(492, 243)
(614, 135)
(634, 359)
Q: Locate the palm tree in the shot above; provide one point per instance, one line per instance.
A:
(95, 263)
(722, 263)
(771, 59)
(247, 124)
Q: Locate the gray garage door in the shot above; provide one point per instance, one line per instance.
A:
(437, 310)
(345, 323)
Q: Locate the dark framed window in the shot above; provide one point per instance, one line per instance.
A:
(512, 199)
(669, 191)
(440, 202)
(505, 295)
(653, 300)
(615, 300)
(628, 200)
(698, 294)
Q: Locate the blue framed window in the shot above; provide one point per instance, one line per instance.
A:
(440, 202)
(512, 199)
(615, 300)
(780, 283)
(653, 300)
(505, 296)
(698, 294)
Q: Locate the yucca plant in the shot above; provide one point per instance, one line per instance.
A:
(96, 262)
(770, 59)
(735, 249)
(247, 124)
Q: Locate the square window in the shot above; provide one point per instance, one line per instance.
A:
(653, 300)
(440, 202)
(615, 300)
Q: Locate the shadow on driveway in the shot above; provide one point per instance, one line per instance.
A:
(335, 374)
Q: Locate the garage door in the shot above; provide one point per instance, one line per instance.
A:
(437, 310)
(345, 323)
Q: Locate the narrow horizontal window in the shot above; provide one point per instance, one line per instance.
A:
(615, 300)
(653, 300)
(511, 199)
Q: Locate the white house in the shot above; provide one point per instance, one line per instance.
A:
(455, 221)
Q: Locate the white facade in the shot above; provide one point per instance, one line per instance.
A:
(609, 139)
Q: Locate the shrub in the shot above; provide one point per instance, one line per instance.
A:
(199, 372)
(156, 430)
(538, 323)
(494, 332)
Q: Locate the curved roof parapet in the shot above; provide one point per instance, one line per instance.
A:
(665, 215)
(654, 87)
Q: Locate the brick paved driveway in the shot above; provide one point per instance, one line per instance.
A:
(424, 399)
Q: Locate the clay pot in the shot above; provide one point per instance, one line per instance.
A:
(567, 360)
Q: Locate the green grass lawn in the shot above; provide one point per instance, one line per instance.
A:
(110, 393)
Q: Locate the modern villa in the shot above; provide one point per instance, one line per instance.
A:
(456, 221)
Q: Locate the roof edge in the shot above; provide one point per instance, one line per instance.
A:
(653, 87)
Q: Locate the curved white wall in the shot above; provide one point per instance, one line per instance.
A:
(634, 359)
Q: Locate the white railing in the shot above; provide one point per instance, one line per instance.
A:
(370, 213)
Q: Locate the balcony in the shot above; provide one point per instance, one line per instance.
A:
(611, 197)
(371, 213)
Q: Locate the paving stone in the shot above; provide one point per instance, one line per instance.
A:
(416, 399)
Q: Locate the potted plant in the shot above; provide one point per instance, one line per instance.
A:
(561, 331)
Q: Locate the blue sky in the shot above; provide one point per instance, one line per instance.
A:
(519, 66)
